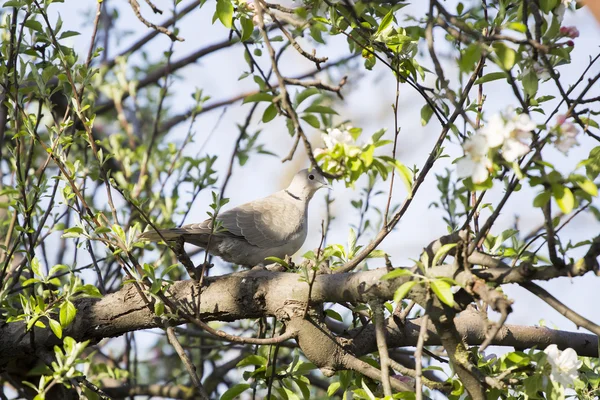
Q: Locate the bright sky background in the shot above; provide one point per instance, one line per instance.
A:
(367, 105)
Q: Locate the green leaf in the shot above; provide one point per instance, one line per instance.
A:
(589, 122)
(588, 186)
(398, 272)
(269, 114)
(258, 97)
(235, 391)
(506, 56)
(312, 120)
(56, 328)
(35, 25)
(247, 28)
(68, 34)
(305, 94)
(443, 291)
(319, 109)
(426, 113)
(377, 254)
(35, 267)
(469, 57)
(492, 76)
(333, 388)
(405, 175)
(277, 260)
(442, 252)
(403, 290)
(334, 315)
(530, 83)
(225, 12)
(252, 359)
(385, 22)
(564, 198)
(541, 199)
(517, 26)
(67, 313)
(547, 5)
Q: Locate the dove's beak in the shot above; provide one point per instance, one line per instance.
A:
(326, 184)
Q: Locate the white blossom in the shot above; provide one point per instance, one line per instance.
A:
(564, 365)
(475, 163)
(496, 130)
(335, 136)
(566, 135)
(509, 133)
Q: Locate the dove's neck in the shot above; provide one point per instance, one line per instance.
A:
(300, 193)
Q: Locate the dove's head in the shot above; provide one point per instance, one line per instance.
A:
(306, 183)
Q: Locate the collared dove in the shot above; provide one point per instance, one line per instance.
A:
(274, 226)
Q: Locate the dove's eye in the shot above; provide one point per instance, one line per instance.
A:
(311, 177)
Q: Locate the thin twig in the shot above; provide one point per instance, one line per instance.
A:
(384, 357)
(135, 6)
(576, 318)
(419, 356)
(191, 369)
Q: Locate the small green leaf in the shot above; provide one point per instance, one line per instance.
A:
(312, 120)
(469, 57)
(530, 83)
(258, 97)
(319, 109)
(398, 272)
(333, 388)
(517, 26)
(252, 359)
(305, 94)
(67, 313)
(541, 199)
(247, 28)
(426, 113)
(443, 291)
(385, 22)
(564, 198)
(403, 290)
(588, 186)
(506, 56)
(235, 391)
(56, 328)
(334, 315)
(442, 252)
(277, 260)
(269, 114)
(225, 12)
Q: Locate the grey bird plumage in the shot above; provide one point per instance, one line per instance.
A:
(272, 226)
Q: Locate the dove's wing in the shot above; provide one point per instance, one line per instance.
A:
(265, 223)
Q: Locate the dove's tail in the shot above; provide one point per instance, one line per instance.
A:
(165, 234)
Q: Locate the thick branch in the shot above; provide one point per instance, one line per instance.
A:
(258, 293)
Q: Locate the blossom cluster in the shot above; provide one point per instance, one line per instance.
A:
(569, 31)
(504, 133)
(566, 133)
(564, 365)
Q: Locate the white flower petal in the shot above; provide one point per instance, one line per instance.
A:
(513, 149)
(564, 144)
(480, 173)
(524, 123)
(465, 167)
(476, 146)
(564, 365)
(495, 130)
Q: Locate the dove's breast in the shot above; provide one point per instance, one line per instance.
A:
(275, 226)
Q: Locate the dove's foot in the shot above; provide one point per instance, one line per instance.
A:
(193, 271)
(275, 267)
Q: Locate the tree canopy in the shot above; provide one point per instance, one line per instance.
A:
(103, 136)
